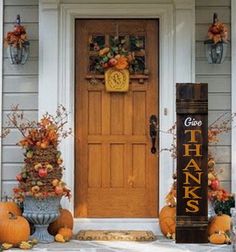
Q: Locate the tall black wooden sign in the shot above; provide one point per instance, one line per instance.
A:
(192, 154)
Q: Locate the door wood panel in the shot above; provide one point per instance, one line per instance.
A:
(116, 175)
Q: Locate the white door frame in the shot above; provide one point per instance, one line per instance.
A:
(233, 92)
(1, 86)
(56, 64)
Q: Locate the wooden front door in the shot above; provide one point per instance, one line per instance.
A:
(116, 173)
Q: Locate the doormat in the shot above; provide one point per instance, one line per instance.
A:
(115, 235)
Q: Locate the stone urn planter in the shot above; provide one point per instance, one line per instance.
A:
(41, 212)
(40, 186)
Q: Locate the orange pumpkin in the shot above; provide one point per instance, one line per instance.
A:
(218, 238)
(9, 206)
(167, 220)
(64, 220)
(66, 233)
(14, 229)
(219, 223)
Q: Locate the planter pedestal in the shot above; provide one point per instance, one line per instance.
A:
(41, 212)
(41, 234)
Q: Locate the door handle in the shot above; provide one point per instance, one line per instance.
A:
(153, 129)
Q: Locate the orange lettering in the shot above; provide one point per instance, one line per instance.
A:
(193, 135)
(192, 163)
(197, 150)
(194, 205)
(189, 190)
(191, 176)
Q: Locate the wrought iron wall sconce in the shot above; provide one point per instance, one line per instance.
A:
(18, 44)
(216, 45)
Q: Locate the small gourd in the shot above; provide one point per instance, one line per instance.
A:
(25, 245)
(34, 241)
(59, 238)
(218, 238)
(6, 246)
(66, 233)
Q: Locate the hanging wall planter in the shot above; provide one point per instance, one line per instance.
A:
(17, 43)
(216, 45)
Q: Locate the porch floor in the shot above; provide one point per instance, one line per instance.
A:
(162, 244)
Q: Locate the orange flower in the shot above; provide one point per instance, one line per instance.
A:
(122, 63)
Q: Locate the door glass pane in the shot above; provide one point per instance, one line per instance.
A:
(137, 43)
(96, 42)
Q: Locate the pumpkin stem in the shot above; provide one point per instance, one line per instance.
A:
(220, 213)
(12, 216)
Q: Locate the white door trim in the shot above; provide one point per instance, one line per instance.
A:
(1, 85)
(56, 66)
(233, 92)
